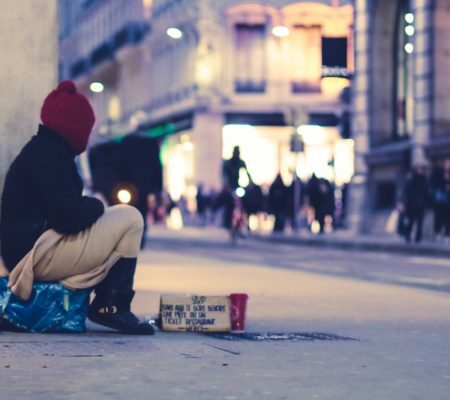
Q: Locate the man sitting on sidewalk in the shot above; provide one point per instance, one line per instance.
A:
(51, 232)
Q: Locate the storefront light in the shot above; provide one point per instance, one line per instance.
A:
(312, 134)
(280, 31)
(175, 219)
(114, 108)
(253, 222)
(96, 87)
(204, 73)
(188, 146)
(186, 143)
(409, 18)
(184, 138)
(409, 30)
(174, 33)
(243, 178)
(237, 126)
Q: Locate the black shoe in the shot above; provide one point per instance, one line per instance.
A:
(124, 321)
(7, 326)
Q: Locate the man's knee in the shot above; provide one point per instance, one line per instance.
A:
(129, 215)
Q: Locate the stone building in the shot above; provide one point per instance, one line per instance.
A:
(28, 71)
(208, 75)
(401, 99)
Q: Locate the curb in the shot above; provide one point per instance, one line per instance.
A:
(328, 242)
(348, 244)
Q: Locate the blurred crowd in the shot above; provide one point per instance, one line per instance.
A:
(316, 205)
(424, 206)
(320, 208)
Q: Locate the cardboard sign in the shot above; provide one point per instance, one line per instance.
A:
(191, 313)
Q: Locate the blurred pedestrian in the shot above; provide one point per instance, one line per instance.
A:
(213, 205)
(415, 199)
(440, 197)
(225, 202)
(291, 208)
(278, 203)
(313, 193)
(326, 203)
(253, 199)
(232, 168)
(201, 201)
(447, 190)
(322, 199)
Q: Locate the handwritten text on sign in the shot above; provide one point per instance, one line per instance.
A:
(195, 313)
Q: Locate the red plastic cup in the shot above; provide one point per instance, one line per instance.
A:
(238, 309)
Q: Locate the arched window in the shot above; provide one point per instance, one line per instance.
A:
(403, 70)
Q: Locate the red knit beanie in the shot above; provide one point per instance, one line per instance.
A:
(69, 114)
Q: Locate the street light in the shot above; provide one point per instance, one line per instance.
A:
(174, 33)
(96, 87)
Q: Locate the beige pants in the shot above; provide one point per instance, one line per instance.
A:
(82, 260)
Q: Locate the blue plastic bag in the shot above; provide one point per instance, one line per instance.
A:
(50, 308)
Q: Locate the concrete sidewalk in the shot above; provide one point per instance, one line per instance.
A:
(341, 239)
(354, 339)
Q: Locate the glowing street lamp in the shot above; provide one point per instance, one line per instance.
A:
(96, 87)
(174, 33)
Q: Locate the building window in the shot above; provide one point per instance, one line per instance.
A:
(250, 64)
(306, 58)
(334, 57)
(403, 72)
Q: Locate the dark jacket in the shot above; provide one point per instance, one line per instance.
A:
(277, 196)
(253, 199)
(230, 171)
(42, 191)
(416, 195)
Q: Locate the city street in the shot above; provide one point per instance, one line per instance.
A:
(316, 131)
(383, 321)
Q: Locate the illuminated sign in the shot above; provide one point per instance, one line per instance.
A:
(335, 72)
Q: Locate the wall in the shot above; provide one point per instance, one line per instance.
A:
(28, 70)
(423, 79)
(441, 65)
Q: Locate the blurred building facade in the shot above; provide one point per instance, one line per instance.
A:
(401, 99)
(208, 75)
